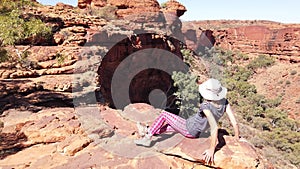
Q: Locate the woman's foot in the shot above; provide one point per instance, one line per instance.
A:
(145, 141)
(142, 129)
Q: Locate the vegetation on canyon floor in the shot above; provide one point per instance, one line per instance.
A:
(271, 125)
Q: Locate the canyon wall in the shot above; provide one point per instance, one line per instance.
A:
(281, 41)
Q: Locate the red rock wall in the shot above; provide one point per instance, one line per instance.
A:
(261, 39)
(174, 7)
(279, 40)
(134, 7)
(145, 81)
(125, 7)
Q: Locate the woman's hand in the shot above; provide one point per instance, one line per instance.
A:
(237, 137)
(208, 156)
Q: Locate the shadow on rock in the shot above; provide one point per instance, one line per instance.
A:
(161, 138)
(11, 143)
(221, 139)
(27, 95)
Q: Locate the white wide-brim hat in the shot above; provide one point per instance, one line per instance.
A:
(212, 90)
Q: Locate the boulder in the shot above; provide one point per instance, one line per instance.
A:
(174, 7)
(83, 3)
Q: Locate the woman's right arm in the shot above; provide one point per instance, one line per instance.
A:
(232, 119)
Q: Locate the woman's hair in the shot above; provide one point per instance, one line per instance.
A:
(207, 100)
(214, 101)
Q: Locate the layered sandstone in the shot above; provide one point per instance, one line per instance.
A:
(64, 138)
(256, 37)
(125, 7)
(91, 3)
(135, 7)
(108, 43)
(42, 129)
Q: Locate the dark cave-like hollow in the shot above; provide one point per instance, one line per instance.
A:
(140, 68)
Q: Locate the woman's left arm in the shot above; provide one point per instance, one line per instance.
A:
(209, 154)
(233, 121)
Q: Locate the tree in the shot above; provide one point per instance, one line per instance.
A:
(187, 93)
(15, 28)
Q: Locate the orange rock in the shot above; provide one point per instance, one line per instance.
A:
(126, 7)
(260, 37)
(174, 7)
(52, 143)
(83, 3)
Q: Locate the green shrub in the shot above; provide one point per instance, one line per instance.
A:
(218, 56)
(276, 128)
(260, 62)
(14, 28)
(163, 5)
(60, 58)
(3, 55)
(242, 56)
(7, 6)
(187, 56)
(106, 12)
(37, 29)
(258, 111)
(187, 93)
(1, 124)
(261, 124)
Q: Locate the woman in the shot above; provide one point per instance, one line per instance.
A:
(211, 110)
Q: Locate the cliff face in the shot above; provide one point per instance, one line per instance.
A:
(82, 35)
(285, 42)
(139, 70)
(258, 37)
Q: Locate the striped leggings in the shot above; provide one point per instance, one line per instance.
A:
(173, 123)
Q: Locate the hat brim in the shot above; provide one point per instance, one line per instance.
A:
(209, 95)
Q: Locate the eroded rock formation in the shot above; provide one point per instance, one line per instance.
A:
(115, 39)
(60, 138)
(41, 128)
(259, 37)
(125, 7)
(148, 70)
(91, 3)
(284, 42)
(134, 7)
(174, 8)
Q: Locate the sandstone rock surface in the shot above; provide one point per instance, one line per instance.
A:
(125, 7)
(57, 138)
(41, 128)
(174, 7)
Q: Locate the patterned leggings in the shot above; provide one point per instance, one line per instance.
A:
(173, 123)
